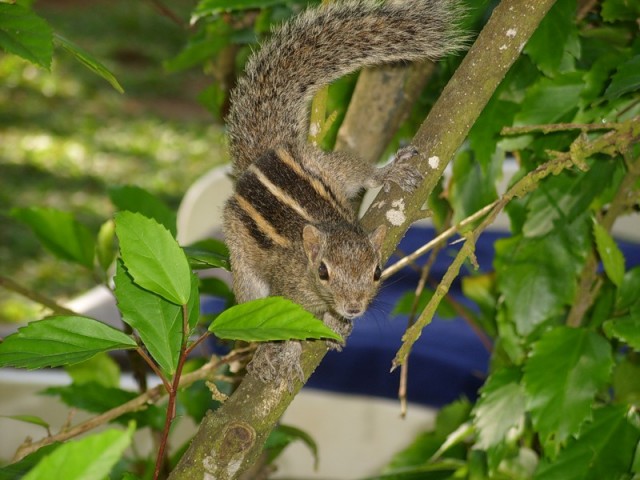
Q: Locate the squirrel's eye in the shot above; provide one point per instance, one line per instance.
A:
(377, 274)
(323, 272)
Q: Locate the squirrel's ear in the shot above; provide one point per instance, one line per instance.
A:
(313, 242)
(377, 237)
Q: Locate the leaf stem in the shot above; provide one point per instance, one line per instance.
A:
(154, 367)
(173, 393)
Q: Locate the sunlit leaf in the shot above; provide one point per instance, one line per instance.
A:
(90, 458)
(61, 340)
(500, 412)
(153, 258)
(158, 321)
(566, 369)
(266, 319)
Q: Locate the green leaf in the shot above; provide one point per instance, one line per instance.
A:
(555, 36)
(269, 319)
(625, 328)
(604, 449)
(96, 398)
(500, 411)
(61, 340)
(90, 458)
(100, 369)
(282, 436)
(28, 419)
(210, 253)
(566, 369)
(214, 7)
(153, 258)
(88, 61)
(629, 291)
(158, 321)
(550, 100)
(59, 232)
(138, 200)
(611, 256)
(405, 303)
(25, 34)
(625, 80)
(613, 10)
(17, 471)
(563, 198)
(537, 276)
(474, 185)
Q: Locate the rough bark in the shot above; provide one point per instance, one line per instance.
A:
(231, 439)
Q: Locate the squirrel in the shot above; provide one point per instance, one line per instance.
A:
(290, 225)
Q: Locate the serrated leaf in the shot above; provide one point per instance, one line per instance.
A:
(25, 34)
(499, 414)
(60, 233)
(537, 276)
(138, 200)
(625, 328)
(158, 321)
(97, 398)
(556, 35)
(34, 420)
(604, 449)
(88, 61)
(61, 340)
(566, 369)
(269, 319)
(610, 254)
(90, 458)
(549, 100)
(210, 253)
(153, 258)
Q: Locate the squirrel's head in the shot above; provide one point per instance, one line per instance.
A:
(344, 266)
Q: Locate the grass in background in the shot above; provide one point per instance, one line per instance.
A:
(66, 135)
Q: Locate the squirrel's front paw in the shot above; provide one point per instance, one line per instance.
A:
(274, 361)
(401, 172)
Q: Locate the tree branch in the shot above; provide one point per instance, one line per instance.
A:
(231, 439)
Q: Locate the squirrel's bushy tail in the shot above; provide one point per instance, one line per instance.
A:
(269, 104)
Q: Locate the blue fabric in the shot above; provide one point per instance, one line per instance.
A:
(447, 362)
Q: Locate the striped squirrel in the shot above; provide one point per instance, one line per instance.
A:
(290, 226)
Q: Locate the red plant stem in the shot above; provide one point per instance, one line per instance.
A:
(154, 367)
(173, 393)
(200, 339)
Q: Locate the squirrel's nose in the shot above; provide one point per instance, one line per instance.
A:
(353, 310)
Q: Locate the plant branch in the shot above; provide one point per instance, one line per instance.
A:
(35, 296)
(151, 396)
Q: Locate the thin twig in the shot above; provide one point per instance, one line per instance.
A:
(35, 296)
(558, 127)
(140, 402)
(440, 239)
